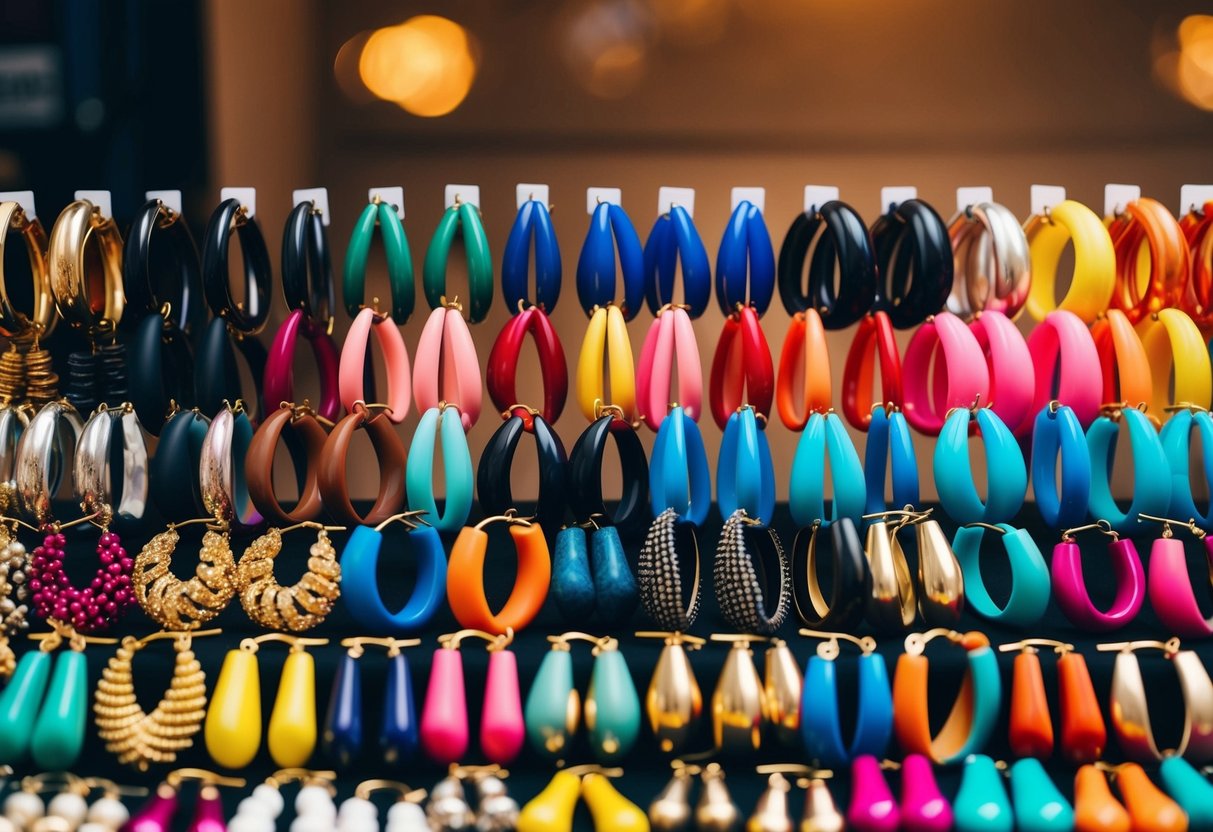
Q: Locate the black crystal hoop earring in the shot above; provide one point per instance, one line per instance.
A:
(744, 581)
(661, 572)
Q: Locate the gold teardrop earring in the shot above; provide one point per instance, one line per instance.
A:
(674, 702)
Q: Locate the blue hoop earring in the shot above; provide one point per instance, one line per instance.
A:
(360, 587)
(825, 439)
(610, 228)
(745, 252)
(890, 444)
(820, 723)
(679, 477)
(954, 474)
(1151, 492)
(1175, 437)
(456, 467)
(532, 223)
(1058, 433)
(1030, 580)
(745, 476)
(673, 238)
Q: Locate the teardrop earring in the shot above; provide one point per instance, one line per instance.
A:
(233, 720)
(771, 811)
(738, 701)
(981, 804)
(1039, 805)
(923, 806)
(48, 711)
(342, 736)
(157, 814)
(601, 580)
(872, 807)
(444, 719)
(612, 706)
(1083, 733)
(820, 812)
(670, 811)
(715, 811)
(673, 702)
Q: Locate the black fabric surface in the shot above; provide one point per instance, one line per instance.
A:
(646, 769)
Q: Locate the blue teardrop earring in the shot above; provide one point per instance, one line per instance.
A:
(599, 579)
(343, 734)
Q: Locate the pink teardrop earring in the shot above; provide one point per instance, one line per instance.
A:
(156, 815)
(444, 718)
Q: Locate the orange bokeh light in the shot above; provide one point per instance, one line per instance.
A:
(424, 65)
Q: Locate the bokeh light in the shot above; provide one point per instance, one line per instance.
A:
(606, 44)
(425, 65)
(1187, 65)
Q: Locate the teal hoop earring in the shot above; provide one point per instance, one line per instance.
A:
(825, 439)
(1175, 437)
(1030, 580)
(446, 422)
(954, 473)
(612, 706)
(1151, 489)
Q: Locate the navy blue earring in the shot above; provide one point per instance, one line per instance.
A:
(745, 260)
(610, 228)
(398, 736)
(532, 223)
(673, 238)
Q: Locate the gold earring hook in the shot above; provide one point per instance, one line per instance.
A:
(1169, 647)
(1059, 647)
(452, 641)
(829, 648)
(366, 788)
(1103, 526)
(297, 643)
(674, 638)
(394, 646)
(412, 518)
(208, 778)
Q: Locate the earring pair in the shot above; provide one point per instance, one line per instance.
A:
(43, 712)
(744, 704)
(450, 810)
(1145, 805)
(158, 812)
(599, 578)
(69, 807)
(233, 721)
(874, 809)
(398, 738)
(981, 803)
(359, 814)
(553, 808)
(1083, 732)
(444, 719)
(936, 591)
(259, 812)
(612, 705)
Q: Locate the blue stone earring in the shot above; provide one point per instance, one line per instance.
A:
(600, 579)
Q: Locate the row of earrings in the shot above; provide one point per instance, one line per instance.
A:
(69, 810)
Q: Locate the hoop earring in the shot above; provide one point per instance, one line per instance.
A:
(825, 442)
(673, 702)
(743, 374)
(821, 724)
(352, 371)
(1175, 437)
(139, 738)
(444, 719)
(889, 453)
(612, 706)
(386, 217)
(233, 720)
(298, 607)
(1070, 590)
(953, 471)
(745, 474)
(447, 369)
(1058, 435)
(359, 565)
(1131, 716)
(585, 472)
(463, 219)
(738, 578)
(1170, 585)
(973, 714)
(466, 594)
(497, 460)
(390, 452)
(443, 421)
(504, 359)
(852, 578)
(55, 435)
(309, 437)
(659, 573)
(1151, 493)
(1029, 598)
(398, 737)
(1083, 734)
(669, 341)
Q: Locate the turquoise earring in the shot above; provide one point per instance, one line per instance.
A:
(612, 705)
(598, 580)
(981, 805)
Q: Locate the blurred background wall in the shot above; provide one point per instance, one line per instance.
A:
(636, 94)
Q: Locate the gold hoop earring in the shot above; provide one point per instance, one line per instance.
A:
(138, 738)
(305, 603)
(175, 604)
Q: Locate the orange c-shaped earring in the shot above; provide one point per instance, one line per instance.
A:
(465, 576)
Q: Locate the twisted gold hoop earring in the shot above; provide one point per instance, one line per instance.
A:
(181, 605)
(305, 603)
(138, 738)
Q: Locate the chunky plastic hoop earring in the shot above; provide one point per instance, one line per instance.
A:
(307, 438)
(497, 459)
(889, 453)
(974, 713)
(606, 335)
(359, 564)
(1170, 585)
(465, 576)
(444, 719)
(950, 351)
(1083, 733)
(852, 577)
(1058, 435)
(610, 228)
(447, 368)
(825, 441)
(1030, 580)
(1176, 438)
(503, 364)
(1131, 716)
(670, 339)
(1069, 586)
(742, 371)
(805, 353)
(953, 471)
(444, 422)
(381, 215)
(745, 474)
(874, 343)
(674, 238)
(461, 218)
(820, 722)
(745, 262)
(1151, 493)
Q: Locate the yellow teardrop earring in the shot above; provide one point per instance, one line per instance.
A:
(233, 721)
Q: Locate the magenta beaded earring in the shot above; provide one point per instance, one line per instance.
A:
(54, 435)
